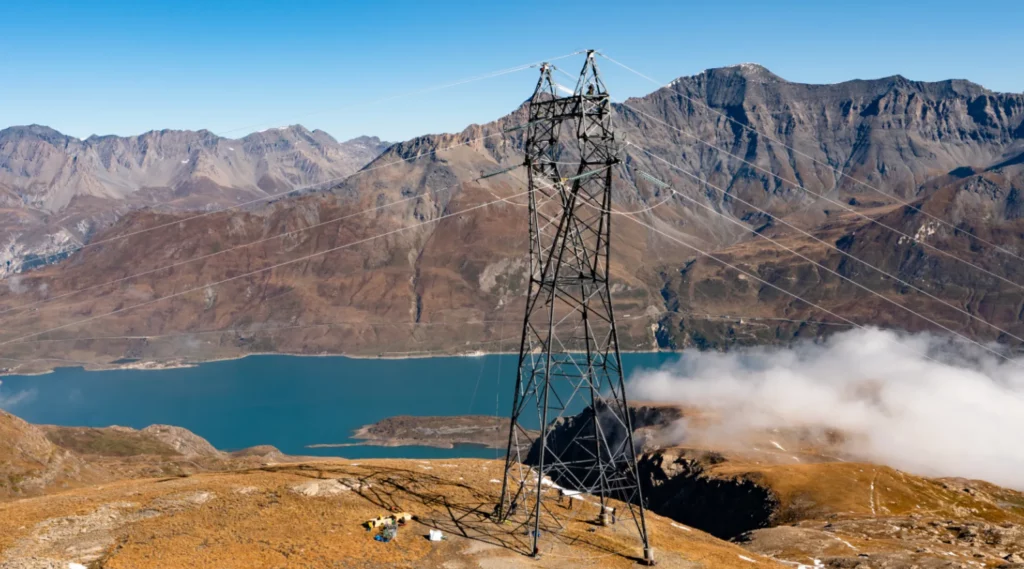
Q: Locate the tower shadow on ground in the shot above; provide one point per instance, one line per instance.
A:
(458, 508)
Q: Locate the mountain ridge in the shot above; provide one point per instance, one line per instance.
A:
(952, 150)
(89, 184)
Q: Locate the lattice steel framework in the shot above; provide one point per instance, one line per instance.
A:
(569, 358)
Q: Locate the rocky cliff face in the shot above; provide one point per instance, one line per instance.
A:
(57, 191)
(890, 134)
(438, 283)
(716, 307)
(952, 149)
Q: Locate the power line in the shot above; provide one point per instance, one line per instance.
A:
(855, 283)
(332, 180)
(489, 75)
(815, 160)
(721, 190)
(250, 273)
(800, 187)
(823, 197)
(912, 311)
(194, 259)
(776, 287)
(335, 324)
(808, 234)
(295, 191)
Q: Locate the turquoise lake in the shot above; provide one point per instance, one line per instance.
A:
(286, 401)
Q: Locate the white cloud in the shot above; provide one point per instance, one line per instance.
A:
(8, 402)
(920, 403)
(15, 285)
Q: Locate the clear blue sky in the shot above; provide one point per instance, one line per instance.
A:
(109, 67)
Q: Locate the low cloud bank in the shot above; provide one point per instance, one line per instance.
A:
(920, 403)
(8, 401)
(14, 284)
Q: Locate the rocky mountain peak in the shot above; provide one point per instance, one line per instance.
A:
(749, 71)
(368, 141)
(33, 132)
(295, 130)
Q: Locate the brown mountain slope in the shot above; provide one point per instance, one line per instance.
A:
(892, 133)
(455, 285)
(715, 306)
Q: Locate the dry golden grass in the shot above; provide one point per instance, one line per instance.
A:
(820, 490)
(254, 518)
(107, 442)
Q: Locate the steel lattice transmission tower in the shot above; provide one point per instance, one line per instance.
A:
(569, 358)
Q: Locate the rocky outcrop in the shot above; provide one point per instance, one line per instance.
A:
(679, 485)
(675, 483)
(647, 422)
(183, 441)
(30, 463)
(36, 459)
(893, 134)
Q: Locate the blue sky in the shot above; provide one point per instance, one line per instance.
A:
(106, 67)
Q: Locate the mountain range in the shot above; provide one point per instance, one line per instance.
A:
(57, 191)
(836, 173)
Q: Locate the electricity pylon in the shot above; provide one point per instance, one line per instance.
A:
(569, 358)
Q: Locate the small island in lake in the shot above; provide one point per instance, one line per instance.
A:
(440, 432)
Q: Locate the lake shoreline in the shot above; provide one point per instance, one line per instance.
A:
(160, 366)
(291, 402)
